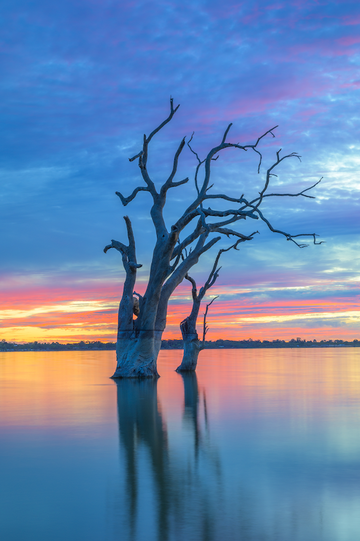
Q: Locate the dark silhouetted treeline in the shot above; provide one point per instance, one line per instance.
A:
(55, 346)
(178, 344)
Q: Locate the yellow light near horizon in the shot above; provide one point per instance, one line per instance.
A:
(70, 334)
(70, 308)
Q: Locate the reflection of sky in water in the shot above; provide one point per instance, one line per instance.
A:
(261, 444)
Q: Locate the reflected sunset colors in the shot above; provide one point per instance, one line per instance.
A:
(43, 389)
(259, 444)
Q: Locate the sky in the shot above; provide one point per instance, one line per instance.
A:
(83, 80)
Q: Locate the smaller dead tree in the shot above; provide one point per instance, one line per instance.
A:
(192, 344)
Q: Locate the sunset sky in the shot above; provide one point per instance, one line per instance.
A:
(83, 80)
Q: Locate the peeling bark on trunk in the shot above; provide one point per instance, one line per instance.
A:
(137, 356)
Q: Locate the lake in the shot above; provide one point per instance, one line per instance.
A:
(259, 445)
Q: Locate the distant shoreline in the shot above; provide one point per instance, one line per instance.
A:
(178, 344)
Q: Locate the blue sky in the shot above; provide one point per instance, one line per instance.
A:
(82, 81)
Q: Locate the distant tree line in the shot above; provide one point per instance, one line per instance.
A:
(55, 346)
(253, 344)
(178, 344)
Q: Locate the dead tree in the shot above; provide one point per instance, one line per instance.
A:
(192, 344)
(139, 340)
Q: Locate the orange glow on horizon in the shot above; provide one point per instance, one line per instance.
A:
(71, 315)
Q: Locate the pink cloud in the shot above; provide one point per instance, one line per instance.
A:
(351, 20)
(353, 84)
(347, 41)
(101, 324)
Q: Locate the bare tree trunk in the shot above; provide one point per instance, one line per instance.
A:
(137, 349)
(136, 356)
(192, 344)
(191, 352)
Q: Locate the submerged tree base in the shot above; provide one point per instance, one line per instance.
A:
(189, 361)
(137, 357)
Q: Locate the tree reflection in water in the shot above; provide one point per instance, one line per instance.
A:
(168, 495)
(193, 398)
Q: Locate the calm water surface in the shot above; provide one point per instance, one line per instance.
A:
(258, 445)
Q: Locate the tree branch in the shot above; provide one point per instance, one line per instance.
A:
(169, 183)
(269, 174)
(232, 232)
(205, 327)
(302, 193)
(214, 273)
(156, 211)
(198, 165)
(216, 227)
(229, 221)
(179, 183)
(172, 112)
(225, 134)
(130, 234)
(128, 252)
(226, 197)
(119, 246)
(126, 200)
(189, 239)
(242, 214)
(193, 289)
(202, 192)
(179, 273)
(288, 235)
(128, 304)
(166, 121)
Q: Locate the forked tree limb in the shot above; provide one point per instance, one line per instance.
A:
(169, 183)
(126, 200)
(193, 283)
(128, 252)
(127, 306)
(179, 274)
(214, 273)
